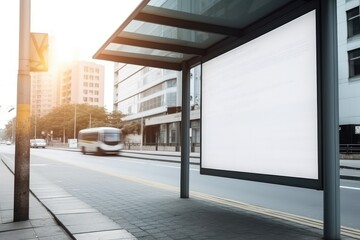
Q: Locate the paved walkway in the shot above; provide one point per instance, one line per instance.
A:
(41, 224)
(147, 212)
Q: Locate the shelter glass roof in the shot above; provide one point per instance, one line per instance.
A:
(166, 33)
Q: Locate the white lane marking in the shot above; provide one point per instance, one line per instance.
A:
(352, 188)
(168, 166)
(157, 164)
(38, 164)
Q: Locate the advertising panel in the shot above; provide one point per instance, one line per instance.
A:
(260, 108)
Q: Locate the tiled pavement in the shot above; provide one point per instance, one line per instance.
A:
(41, 224)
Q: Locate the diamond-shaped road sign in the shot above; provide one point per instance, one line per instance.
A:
(39, 52)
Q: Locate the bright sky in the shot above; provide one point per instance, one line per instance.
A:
(79, 27)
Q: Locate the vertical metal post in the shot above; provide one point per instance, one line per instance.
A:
(142, 133)
(75, 122)
(185, 125)
(90, 121)
(35, 119)
(64, 137)
(330, 119)
(22, 145)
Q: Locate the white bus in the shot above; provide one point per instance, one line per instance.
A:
(100, 140)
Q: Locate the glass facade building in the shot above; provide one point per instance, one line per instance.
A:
(153, 97)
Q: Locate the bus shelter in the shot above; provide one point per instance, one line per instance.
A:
(274, 65)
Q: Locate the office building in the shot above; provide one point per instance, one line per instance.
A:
(349, 70)
(81, 82)
(153, 97)
(43, 93)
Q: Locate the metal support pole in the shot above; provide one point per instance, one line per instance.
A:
(75, 122)
(141, 133)
(330, 119)
(185, 125)
(90, 121)
(22, 145)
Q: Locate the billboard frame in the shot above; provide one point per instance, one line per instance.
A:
(277, 22)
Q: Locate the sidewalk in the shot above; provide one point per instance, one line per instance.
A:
(147, 212)
(41, 224)
(52, 205)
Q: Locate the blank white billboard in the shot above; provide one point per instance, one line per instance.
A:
(259, 105)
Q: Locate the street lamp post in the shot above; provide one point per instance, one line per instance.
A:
(75, 123)
(90, 119)
(10, 108)
(12, 126)
(75, 117)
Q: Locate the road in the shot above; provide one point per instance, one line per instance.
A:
(69, 169)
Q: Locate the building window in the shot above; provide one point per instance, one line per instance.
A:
(354, 63)
(163, 133)
(353, 22)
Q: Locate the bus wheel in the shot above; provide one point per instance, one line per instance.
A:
(83, 150)
(99, 151)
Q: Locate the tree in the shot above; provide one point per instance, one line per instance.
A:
(114, 119)
(60, 121)
(10, 129)
(131, 127)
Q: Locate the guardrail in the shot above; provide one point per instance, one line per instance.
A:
(194, 147)
(349, 148)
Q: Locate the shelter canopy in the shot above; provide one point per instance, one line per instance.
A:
(166, 33)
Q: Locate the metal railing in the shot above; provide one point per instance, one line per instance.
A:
(170, 147)
(349, 148)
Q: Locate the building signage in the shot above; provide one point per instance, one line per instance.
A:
(357, 129)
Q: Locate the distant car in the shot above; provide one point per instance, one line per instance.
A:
(37, 143)
(8, 143)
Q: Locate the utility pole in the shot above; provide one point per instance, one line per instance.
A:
(22, 144)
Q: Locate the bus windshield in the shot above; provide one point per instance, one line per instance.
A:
(111, 137)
